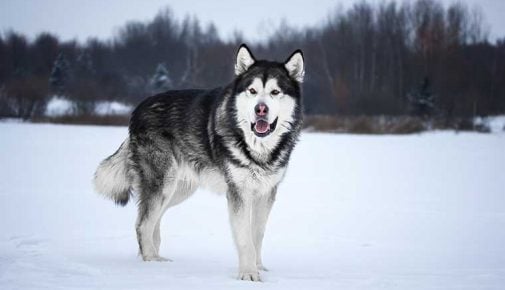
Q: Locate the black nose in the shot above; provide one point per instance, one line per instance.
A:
(261, 109)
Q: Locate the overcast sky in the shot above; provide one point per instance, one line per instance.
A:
(81, 19)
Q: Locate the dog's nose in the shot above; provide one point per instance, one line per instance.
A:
(261, 109)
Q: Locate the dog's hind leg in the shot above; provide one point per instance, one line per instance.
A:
(149, 213)
(157, 233)
(176, 190)
(157, 236)
(156, 185)
(151, 209)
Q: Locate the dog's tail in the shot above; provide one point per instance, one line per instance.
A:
(112, 178)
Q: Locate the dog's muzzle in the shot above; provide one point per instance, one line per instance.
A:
(262, 128)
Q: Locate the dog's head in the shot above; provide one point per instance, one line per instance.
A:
(267, 95)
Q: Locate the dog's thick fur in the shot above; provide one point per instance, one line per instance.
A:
(235, 139)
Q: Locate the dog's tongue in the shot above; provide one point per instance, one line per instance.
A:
(261, 126)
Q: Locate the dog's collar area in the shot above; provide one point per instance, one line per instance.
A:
(270, 129)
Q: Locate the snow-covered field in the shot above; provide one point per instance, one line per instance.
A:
(354, 212)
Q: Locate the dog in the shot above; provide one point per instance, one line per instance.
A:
(235, 139)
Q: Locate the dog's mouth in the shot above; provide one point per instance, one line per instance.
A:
(262, 128)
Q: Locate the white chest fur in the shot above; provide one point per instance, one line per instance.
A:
(255, 180)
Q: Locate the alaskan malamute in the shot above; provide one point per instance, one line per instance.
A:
(235, 139)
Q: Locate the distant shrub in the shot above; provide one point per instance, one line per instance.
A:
(407, 125)
(23, 98)
(365, 124)
(464, 124)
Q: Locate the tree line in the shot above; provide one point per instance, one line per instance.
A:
(418, 58)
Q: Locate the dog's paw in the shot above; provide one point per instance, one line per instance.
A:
(249, 276)
(155, 259)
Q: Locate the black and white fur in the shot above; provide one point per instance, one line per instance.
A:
(235, 139)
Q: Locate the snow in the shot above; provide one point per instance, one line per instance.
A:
(496, 123)
(113, 108)
(59, 106)
(420, 211)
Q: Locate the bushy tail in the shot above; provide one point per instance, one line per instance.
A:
(112, 178)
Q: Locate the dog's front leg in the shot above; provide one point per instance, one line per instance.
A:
(240, 210)
(261, 209)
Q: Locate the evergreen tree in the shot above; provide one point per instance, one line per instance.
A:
(84, 65)
(160, 81)
(60, 75)
(422, 100)
(83, 87)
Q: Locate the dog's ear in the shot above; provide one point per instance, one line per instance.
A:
(295, 66)
(244, 59)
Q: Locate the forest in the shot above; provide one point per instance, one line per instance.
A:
(388, 59)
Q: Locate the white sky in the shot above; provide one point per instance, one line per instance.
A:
(81, 19)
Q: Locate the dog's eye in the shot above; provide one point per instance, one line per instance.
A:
(275, 92)
(252, 91)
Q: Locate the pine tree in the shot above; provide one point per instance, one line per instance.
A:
(160, 81)
(60, 73)
(84, 65)
(83, 87)
(422, 100)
